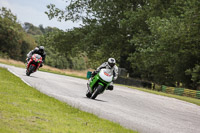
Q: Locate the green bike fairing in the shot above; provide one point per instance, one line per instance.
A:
(95, 80)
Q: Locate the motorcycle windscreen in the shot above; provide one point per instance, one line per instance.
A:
(106, 75)
(37, 58)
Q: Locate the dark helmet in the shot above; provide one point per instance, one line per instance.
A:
(111, 62)
(41, 49)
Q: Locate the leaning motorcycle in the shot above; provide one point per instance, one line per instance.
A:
(33, 64)
(99, 83)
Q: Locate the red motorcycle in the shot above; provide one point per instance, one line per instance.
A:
(33, 64)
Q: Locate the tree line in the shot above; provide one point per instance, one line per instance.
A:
(158, 41)
(16, 40)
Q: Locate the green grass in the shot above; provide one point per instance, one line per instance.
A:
(183, 98)
(24, 109)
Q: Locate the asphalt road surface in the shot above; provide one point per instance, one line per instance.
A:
(134, 109)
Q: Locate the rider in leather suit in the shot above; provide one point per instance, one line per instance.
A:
(110, 64)
(38, 50)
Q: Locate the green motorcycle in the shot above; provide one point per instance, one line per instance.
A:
(99, 83)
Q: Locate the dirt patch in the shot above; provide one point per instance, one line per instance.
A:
(69, 71)
(10, 61)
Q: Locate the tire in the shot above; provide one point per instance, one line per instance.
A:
(97, 91)
(88, 94)
(27, 73)
(30, 70)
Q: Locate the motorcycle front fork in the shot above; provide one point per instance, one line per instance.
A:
(88, 84)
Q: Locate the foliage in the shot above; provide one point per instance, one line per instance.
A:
(34, 30)
(154, 40)
(171, 47)
(16, 42)
(102, 31)
(13, 40)
(31, 29)
(61, 51)
(195, 73)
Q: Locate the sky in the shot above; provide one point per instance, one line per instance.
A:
(32, 11)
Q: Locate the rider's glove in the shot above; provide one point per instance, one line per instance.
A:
(114, 78)
(93, 73)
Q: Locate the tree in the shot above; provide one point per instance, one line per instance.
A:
(171, 47)
(10, 38)
(31, 29)
(60, 49)
(13, 39)
(154, 40)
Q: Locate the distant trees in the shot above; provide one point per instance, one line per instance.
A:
(59, 46)
(155, 40)
(31, 29)
(40, 30)
(16, 41)
(62, 51)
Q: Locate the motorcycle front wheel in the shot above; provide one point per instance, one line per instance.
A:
(88, 94)
(30, 70)
(27, 73)
(97, 91)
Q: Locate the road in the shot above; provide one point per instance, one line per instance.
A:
(134, 109)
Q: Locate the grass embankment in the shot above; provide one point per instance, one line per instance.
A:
(24, 109)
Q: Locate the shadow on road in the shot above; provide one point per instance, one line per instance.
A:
(30, 76)
(99, 100)
(96, 99)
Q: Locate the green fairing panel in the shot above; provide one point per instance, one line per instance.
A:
(101, 84)
(95, 79)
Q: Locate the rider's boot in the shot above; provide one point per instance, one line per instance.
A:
(110, 87)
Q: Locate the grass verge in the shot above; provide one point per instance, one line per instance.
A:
(24, 109)
(183, 98)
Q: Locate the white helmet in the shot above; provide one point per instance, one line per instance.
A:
(111, 62)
